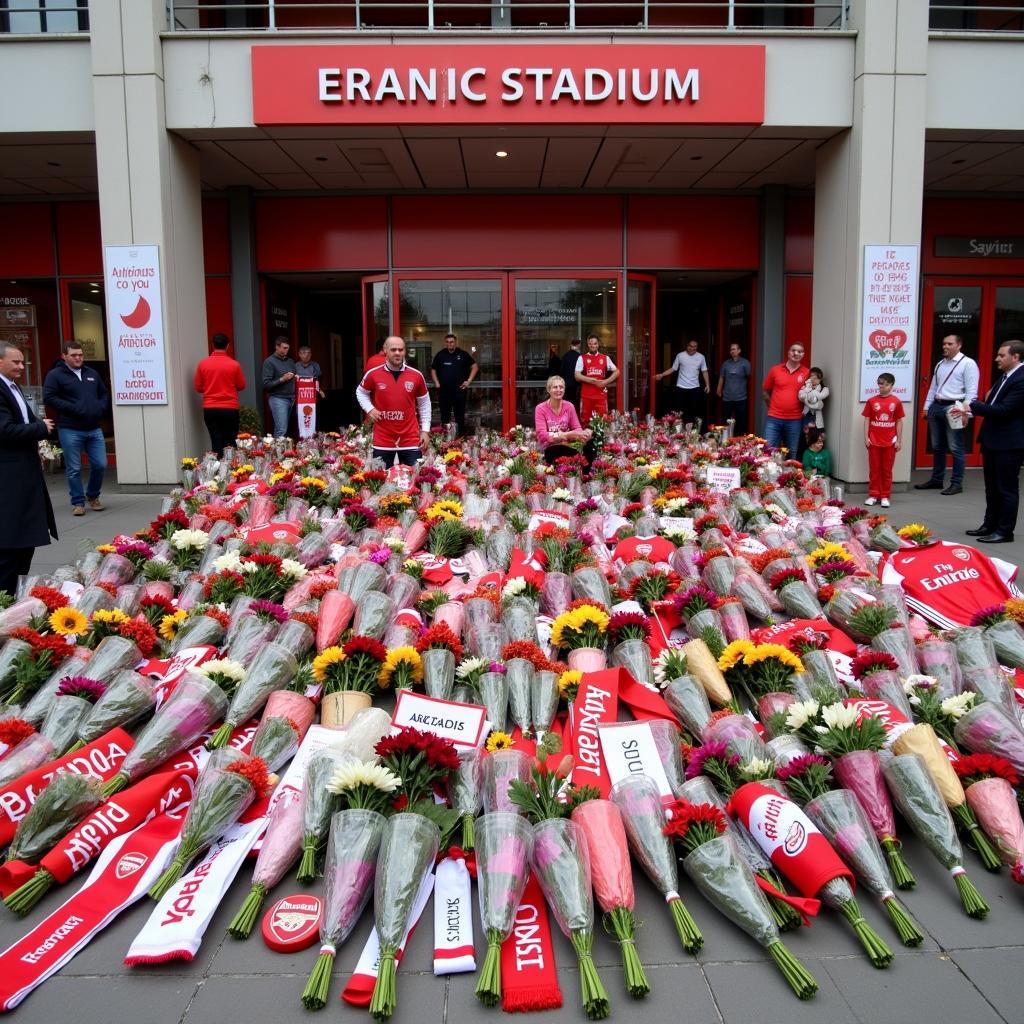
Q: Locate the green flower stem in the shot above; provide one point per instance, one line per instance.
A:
(23, 899)
(974, 903)
(488, 988)
(686, 928)
(314, 995)
(242, 923)
(801, 981)
(114, 785)
(878, 952)
(621, 922)
(910, 934)
(220, 737)
(77, 745)
(382, 1005)
(171, 875)
(901, 872)
(468, 836)
(786, 917)
(307, 866)
(595, 998)
(965, 818)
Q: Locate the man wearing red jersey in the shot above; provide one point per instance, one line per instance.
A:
(394, 398)
(595, 373)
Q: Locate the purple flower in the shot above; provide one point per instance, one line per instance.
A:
(268, 610)
(799, 765)
(496, 666)
(713, 750)
(988, 616)
(81, 686)
(380, 556)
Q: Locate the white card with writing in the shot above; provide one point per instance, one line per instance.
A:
(629, 749)
(463, 724)
(723, 479)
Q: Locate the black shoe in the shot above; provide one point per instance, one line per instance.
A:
(981, 531)
(929, 485)
(953, 489)
(997, 538)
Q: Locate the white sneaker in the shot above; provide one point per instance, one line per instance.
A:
(871, 501)
(885, 503)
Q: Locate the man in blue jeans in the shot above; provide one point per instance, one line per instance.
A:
(78, 395)
(279, 385)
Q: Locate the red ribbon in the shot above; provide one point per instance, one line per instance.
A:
(806, 906)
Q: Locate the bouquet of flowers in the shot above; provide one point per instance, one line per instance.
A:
(989, 785)
(795, 595)
(59, 807)
(758, 669)
(352, 845)
(713, 863)
(272, 669)
(930, 706)
(408, 848)
(501, 770)
(465, 792)
(421, 760)
(688, 701)
(519, 673)
(584, 625)
(226, 787)
(639, 803)
(318, 805)
(194, 706)
(601, 825)
(1005, 633)
(127, 698)
(990, 729)
(703, 666)
(28, 750)
(503, 845)
(544, 698)
(71, 705)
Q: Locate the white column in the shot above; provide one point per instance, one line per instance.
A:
(868, 191)
(150, 194)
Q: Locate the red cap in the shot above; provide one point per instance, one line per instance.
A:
(293, 923)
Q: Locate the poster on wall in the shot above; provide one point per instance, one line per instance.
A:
(138, 373)
(889, 324)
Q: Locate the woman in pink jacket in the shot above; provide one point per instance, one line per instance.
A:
(557, 423)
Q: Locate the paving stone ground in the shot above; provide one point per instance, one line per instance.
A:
(965, 971)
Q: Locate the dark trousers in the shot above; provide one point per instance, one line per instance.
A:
(406, 456)
(222, 425)
(691, 404)
(453, 400)
(1002, 488)
(14, 562)
(736, 411)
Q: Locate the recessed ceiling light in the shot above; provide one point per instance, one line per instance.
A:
(52, 163)
(501, 154)
(320, 159)
(696, 158)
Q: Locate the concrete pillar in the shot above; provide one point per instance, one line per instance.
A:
(150, 194)
(868, 191)
(245, 294)
(771, 291)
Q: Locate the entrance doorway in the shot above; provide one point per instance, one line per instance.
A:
(985, 313)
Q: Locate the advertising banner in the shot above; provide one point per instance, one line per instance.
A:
(889, 323)
(305, 405)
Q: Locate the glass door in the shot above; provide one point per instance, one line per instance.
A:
(549, 313)
(376, 315)
(640, 332)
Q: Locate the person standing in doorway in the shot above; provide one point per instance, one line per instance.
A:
(308, 369)
(954, 379)
(595, 373)
(219, 378)
(394, 398)
(279, 385)
(81, 400)
(377, 359)
(453, 370)
(1002, 445)
(692, 383)
(733, 379)
(568, 372)
(28, 514)
(781, 391)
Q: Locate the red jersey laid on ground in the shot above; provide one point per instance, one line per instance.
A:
(595, 365)
(947, 583)
(399, 426)
(649, 549)
(784, 386)
(882, 415)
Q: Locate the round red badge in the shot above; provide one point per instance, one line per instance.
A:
(293, 923)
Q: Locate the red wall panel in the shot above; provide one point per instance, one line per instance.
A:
(507, 231)
(327, 233)
(967, 218)
(26, 240)
(707, 232)
(218, 309)
(79, 250)
(799, 246)
(797, 325)
(216, 236)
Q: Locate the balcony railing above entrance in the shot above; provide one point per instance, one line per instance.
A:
(505, 15)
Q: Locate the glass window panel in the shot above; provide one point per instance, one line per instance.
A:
(956, 310)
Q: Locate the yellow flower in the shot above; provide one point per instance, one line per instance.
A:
(568, 681)
(389, 504)
(404, 662)
(187, 463)
(169, 623)
(313, 481)
(113, 617)
(1014, 607)
(575, 621)
(445, 509)
(916, 532)
(498, 741)
(242, 470)
(277, 476)
(762, 652)
(105, 549)
(734, 654)
(826, 553)
(347, 491)
(68, 621)
(323, 662)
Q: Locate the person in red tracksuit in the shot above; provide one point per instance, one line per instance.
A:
(883, 436)
(595, 373)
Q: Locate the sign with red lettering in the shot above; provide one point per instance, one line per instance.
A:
(514, 84)
(305, 406)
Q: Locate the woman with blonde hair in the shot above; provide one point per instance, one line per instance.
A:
(557, 423)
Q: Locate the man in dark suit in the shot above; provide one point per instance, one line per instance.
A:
(568, 373)
(28, 514)
(1002, 445)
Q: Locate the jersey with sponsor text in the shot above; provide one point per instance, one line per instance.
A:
(648, 549)
(399, 425)
(598, 366)
(882, 415)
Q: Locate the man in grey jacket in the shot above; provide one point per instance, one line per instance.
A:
(279, 385)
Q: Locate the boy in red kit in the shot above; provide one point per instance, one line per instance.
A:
(883, 436)
(595, 373)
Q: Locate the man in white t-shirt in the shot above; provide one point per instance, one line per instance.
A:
(690, 368)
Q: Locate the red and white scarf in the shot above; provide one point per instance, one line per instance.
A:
(453, 918)
(529, 980)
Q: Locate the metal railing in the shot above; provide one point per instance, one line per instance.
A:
(472, 15)
(975, 17)
(22, 17)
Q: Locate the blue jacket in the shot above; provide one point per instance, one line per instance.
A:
(79, 404)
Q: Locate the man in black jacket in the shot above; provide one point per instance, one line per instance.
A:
(1002, 445)
(568, 373)
(28, 515)
(80, 398)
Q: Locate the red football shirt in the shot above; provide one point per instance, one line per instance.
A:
(882, 415)
(784, 385)
(595, 365)
(648, 549)
(399, 426)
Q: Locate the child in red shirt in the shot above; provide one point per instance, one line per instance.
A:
(883, 436)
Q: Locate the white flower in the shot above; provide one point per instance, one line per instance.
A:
(674, 505)
(249, 567)
(800, 713)
(839, 716)
(756, 767)
(680, 535)
(354, 773)
(196, 539)
(230, 561)
(470, 665)
(954, 707)
(918, 679)
(293, 569)
(514, 587)
(226, 667)
(396, 544)
(561, 494)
